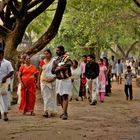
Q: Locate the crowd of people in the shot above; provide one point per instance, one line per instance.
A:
(62, 80)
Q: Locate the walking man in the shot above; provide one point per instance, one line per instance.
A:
(92, 73)
(6, 71)
(62, 69)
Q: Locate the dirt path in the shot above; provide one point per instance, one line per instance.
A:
(116, 119)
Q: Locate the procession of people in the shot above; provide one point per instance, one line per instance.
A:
(61, 80)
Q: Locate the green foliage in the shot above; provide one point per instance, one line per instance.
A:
(94, 23)
(41, 23)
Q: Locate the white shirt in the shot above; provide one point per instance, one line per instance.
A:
(5, 68)
(128, 78)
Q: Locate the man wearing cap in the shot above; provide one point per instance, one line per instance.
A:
(6, 71)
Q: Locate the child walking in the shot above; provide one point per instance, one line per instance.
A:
(128, 83)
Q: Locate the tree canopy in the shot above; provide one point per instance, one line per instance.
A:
(88, 26)
(107, 24)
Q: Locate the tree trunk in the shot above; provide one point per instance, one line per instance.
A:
(12, 55)
(10, 51)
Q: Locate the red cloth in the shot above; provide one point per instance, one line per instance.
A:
(41, 63)
(83, 82)
(28, 92)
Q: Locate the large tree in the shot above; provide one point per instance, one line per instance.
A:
(16, 16)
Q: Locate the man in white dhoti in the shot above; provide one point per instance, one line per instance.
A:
(6, 71)
(62, 69)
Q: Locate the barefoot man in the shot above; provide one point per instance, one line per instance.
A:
(62, 69)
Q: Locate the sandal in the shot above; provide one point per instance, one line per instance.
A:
(32, 114)
(5, 117)
(24, 113)
(65, 116)
(46, 115)
(61, 115)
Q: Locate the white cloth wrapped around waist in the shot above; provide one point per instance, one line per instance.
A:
(3, 88)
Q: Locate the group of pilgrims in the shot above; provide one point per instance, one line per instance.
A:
(60, 80)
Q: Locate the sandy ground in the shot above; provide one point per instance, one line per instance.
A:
(116, 119)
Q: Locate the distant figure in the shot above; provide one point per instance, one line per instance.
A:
(113, 65)
(83, 65)
(21, 63)
(82, 92)
(75, 78)
(119, 71)
(128, 83)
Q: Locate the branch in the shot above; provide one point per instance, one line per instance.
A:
(2, 5)
(43, 6)
(34, 3)
(13, 9)
(134, 10)
(4, 31)
(7, 15)
(113, 51)
(9, 19)
(137, 2)
(52, 30)
(121, 50)
(24, 6)
(50, 9)
(131, 47)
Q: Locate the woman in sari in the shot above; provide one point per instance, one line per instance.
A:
(102, 80)
(28, 78)
(76, 72)
(47, 81)
(21, 63)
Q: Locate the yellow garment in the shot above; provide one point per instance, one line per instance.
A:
(66, 57)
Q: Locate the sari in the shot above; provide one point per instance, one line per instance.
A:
(102, 81)
(47, 82)
(76, 82)
(28, 92)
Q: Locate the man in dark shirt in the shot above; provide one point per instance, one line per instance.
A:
(92, 73)
(62, 69)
